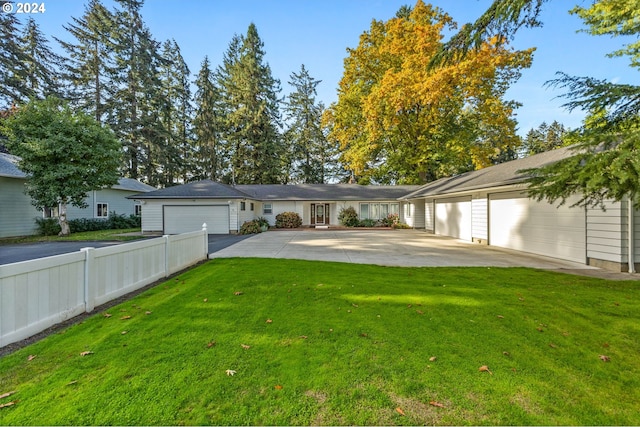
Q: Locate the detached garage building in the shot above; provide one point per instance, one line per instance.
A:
(490, 206)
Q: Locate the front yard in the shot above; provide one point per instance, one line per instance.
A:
(122, 235)
(263, 341)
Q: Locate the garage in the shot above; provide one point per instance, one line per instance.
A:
(453, 217)
(517, 222)
(184, 219)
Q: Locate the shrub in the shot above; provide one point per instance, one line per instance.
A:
(348, 217)
(48, 226)
(264, 222)
(401, 225)
(288, 220)
(368, 223)
(390, 220)
(250, 227)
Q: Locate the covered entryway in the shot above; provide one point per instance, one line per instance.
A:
(518, 222)
(320, 214)
(453, 217)
(184, 219)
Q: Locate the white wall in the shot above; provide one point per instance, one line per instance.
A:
(480, 217)
(607, 232)
(152, 211)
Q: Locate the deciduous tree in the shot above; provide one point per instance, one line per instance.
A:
(64, 154)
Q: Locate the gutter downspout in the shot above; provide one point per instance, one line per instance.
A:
(631, 240)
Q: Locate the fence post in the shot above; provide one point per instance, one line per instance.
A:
(89, 291)
(206, 241)
(166, 255)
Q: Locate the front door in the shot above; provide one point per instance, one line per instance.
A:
(319, 214)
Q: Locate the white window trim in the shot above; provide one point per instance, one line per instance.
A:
(98, 210)
(264, 209)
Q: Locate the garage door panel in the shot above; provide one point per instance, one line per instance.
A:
(184, 219)
(453, 218)
(517, 222)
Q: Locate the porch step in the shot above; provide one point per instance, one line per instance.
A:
(322, 226)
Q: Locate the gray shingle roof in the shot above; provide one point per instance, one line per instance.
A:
(321, 192)
(205, 189)
(8, 166)
(494, 176)
(129, 184)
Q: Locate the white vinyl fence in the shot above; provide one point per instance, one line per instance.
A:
(40, 293)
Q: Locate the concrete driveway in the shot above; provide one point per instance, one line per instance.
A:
(410, 248)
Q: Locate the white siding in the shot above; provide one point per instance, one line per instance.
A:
(607, 233)
(453, 217)
(480, 217)
(518, 222)
(429, 215)
(152, 215)
(17, 214)
(152, 211)
(418, 214)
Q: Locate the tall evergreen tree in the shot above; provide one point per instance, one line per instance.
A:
(88, 69)
(309, 153)
(210, 152)
(41, 63)
(250, 95)
(12, 57)
(544, 138)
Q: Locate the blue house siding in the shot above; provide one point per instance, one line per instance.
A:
(17, 214)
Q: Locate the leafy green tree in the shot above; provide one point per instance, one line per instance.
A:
(251, 109)
(544, 138)
(64, 154)
(210, 152)
(309, 152)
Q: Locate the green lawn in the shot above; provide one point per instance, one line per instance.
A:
(111, 235)
(330, 343)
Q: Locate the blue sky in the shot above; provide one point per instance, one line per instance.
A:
(317, 33)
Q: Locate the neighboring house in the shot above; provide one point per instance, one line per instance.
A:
(487, 206)
(17, 214)
(224, 208)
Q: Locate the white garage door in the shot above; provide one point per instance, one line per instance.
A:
(520, 223)
(183, 219)
(453, 217)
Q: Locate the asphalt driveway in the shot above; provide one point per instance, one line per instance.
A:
(410, 248)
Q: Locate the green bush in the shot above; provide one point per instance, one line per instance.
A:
(348, 217)
(401, 225)
(264, 222)
(250, 227)
(288, 220)
(47, 226)
(368, 223)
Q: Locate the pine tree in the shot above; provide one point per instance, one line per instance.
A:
(41, 63)
(88, 69)
(211, 159)
(12, 57)
(306, 142)
(251, 104)
(544, 138)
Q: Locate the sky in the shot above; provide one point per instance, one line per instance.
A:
(317, 33)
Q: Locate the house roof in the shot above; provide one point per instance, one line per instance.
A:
(9, 168)
(205, 189)
(494, 176)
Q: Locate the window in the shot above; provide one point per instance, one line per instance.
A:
(252, 206)
(377, 210)
(50, 212)
(138, 210)
(102, 210)
(407, 210)
(267, 208)
(243, 206)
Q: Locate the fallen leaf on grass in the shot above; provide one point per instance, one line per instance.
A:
(303, 337)
(230, 372)
(500, 316)
(106, 315)
(432, 359)
(147, 312)
(419, 311)
(238, 293)
(355, 305)
(485, 368)
(205, 300)
(31, 357)
(211, 344)
(278, 387)
(123, 332)
(552, 345)
(4, 395)
(86, 353)
(604, 358)
(4, 405)
(438, 404)
(269, 321)
(400, 411)
(125, 318)
(72, 382)
(246, 347)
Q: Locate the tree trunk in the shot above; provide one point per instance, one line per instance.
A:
(62, 220)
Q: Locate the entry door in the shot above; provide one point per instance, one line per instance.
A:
(319, 213)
